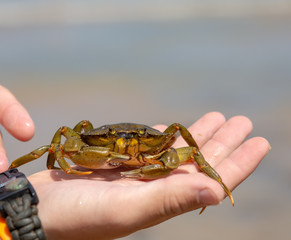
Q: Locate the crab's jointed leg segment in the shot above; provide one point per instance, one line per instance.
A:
(30, 156)
(80, 153)
(194, 154)
(83, 125)
(186, 135)
(206, 168)
(50, 163)
(63, 163)
(62, 131)
(191, 153)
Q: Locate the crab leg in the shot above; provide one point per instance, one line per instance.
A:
(194, 154)
(191, 153)
(50, 163)
(66, 132)
(63, 163)
(83, 125)
(186, 135)
(37, 153)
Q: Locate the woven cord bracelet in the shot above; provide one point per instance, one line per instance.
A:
(22, 220)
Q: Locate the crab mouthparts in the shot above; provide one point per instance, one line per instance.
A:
(126, 145)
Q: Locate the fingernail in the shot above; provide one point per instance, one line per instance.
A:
(207, 197)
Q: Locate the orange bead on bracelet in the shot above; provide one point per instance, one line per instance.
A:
(4, 231)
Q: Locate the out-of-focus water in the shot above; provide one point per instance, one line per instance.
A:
(163, 72)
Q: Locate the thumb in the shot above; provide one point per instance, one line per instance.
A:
(181, 193)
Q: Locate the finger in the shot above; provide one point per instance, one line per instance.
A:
(227, 139)
(14, 117)
(3, 156)
(242, 162)
(164, 199)
(203, 129)
(184, 192)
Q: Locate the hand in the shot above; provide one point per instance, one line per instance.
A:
(16, 121)
(104, 206)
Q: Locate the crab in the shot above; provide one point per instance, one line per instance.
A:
(148, 151)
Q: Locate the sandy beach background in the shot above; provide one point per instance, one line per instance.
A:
(160, 62)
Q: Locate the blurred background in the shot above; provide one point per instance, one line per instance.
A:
(160, 62)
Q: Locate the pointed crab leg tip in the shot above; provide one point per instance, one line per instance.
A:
(202, 210)
(226, 190)
(231, 198)
(232, 201)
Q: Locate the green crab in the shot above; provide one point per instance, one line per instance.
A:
(141, 147)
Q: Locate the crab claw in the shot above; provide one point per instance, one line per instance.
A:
(147, 172)
(136, 173)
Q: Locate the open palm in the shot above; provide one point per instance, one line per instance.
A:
(104, 205)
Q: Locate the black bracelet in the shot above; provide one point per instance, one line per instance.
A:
(18, 205)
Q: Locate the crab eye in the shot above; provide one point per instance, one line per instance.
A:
(112, 131)
(142, 132)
